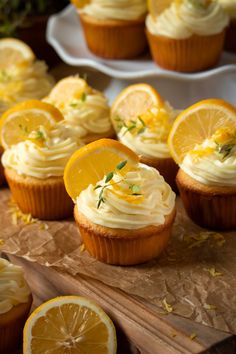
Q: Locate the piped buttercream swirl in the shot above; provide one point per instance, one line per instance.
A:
(116, 9)
(229, 6)
(124, 210)
(181, 21)
(13, 287)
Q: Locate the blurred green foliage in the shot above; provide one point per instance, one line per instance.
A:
(13, 13)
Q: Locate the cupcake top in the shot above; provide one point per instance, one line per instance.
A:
(214, 161)
(185, 18)
(135, 200)
(229, 6)
(86, 111)
(44, 153)
(147, 135)
(116, 9)
(23, 81)
(13, 287)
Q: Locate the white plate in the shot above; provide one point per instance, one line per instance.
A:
(65, 34)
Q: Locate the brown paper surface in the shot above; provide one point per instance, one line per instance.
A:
(196, 275)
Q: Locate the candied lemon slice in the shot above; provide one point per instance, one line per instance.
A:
(92, 162)
(69, 325)
(197, 123)
(17, 122)
(134, 101)
(14, 51)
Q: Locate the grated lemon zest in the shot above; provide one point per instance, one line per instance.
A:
(166, 306)
(213, 272)
(209, 307)
(2, 242)
(193, 336)
(196, 240)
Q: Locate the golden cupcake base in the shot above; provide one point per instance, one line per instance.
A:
(42, 198)
(167, 168)
(124, 247)
(11, 326)
(188, 55)
(211, 207)
(114, 39)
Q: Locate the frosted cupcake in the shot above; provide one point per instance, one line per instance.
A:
(114, 29)
(35, 157)
(230, 8)
(187, 36)
(85, 110)
(15, 304)
(207, 181)
(142, 121)
(124, 210)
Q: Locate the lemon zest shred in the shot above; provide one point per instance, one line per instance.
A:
(2, 242)
(167, 306)
(82, 247)
(209, 307)
(193, 336)
(213, 272)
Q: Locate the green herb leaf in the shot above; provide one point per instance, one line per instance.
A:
(101, 200)
(83, 97)
(39, 135)
(73, 105)
(142, 121)
(121, 165)
(135, 189)
(109, 176)
(98, 186)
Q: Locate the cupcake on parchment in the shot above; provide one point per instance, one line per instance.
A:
(15, 304)
(124, 210)
(143, 121)
(203, 142)
(230, 39)
(188, 35)
(85, 110)
(114, 29)
(37, 148)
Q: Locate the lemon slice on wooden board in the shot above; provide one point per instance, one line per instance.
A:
(17, 122)
(67, 89)
(156, 7)
(80, 3)
(92, 162)
(69, 325)
(197, 123)
(134, 101)
(13, 51)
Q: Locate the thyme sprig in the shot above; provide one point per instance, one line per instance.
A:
(137, 126)
(83, 97)
(135, 189)
(224, 150)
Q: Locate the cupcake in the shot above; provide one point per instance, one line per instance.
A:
(2, 177)
(145, 129)
(15, 304)
(203, 142)
(114, 30)
(230, 39)
(207, 181)
(126, 217)
(34, 164)
(85, 110)
(187, 36)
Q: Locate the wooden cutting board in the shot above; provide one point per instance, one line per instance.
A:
(141, 322)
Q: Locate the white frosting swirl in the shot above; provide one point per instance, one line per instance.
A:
(116, 9)
(123, 210)
(152, 142)
(13, 287)
(23, 82)
(88, 116)
(29, 158)
(229, 6)
(211, 169)
(184, 20)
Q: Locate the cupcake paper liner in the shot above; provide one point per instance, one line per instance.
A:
(44, 199)
(167, 168)
(114, 39)
(209, 207)
(188, 55)
(2, 176)
(124, 247)
(11, 326)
